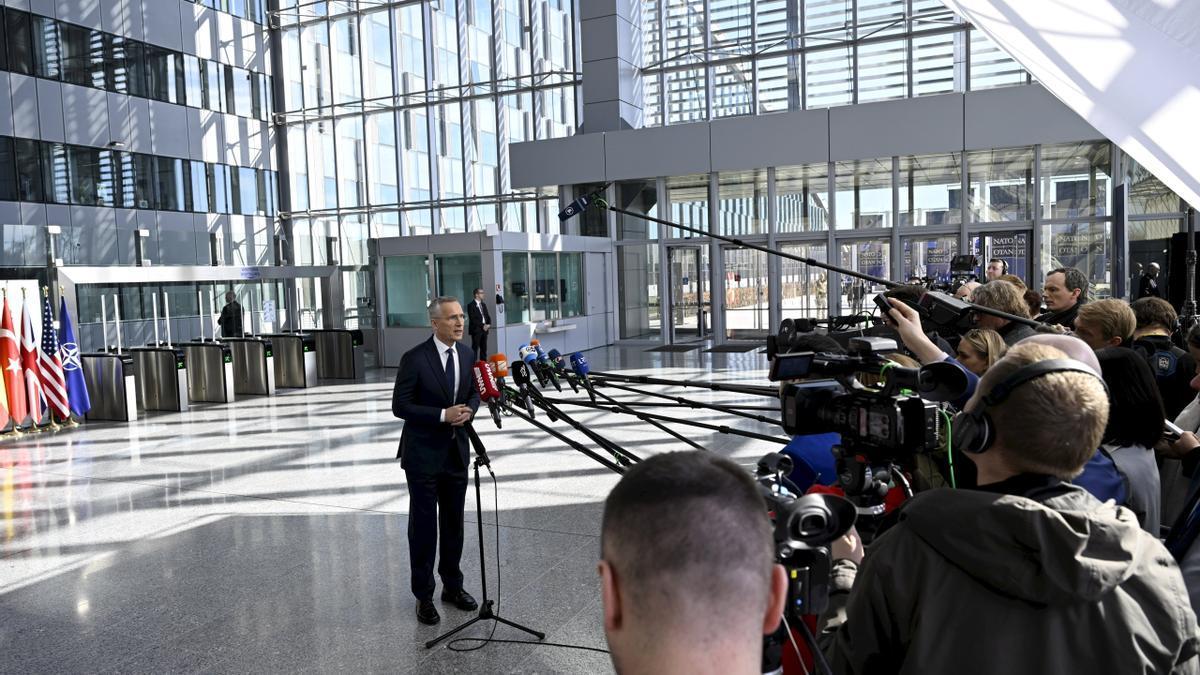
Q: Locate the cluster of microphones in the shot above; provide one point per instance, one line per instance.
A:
(534, 363)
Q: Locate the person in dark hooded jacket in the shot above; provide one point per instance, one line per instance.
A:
(1025, 574)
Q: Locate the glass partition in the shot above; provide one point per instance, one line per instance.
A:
(458, 275)
(930, 190)
(864, 194)
(801, 196)
(804, 288)
(516, 288)
(1001, 183)
(406, 284)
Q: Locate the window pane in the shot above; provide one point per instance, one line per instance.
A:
(20, 41)
(377, 41)
(243, 96)
(58, 176)
(1147, 194)
(934, 64)
(804, 287)
(1086, 246)
(570, 271)
(382, 153)
(199, 187)
(930, 190)
(869, 256)
(546, 292)
(293, 89)
(298, 165)
(828, 21)
(88, 187)
(8, 170)
(990, 66)
(733, 90)
(882, 71)
(1011, 247)
(801, 196)
(347, 80)
(314, 40)
(406, 282)
(29, 170)
(516, 288)
(458, 275)
(638, 302)
(47, 49)
(353, 240)
(350, 156)
(1075, 180)
(322, 172)
(77, 44)
(248, 191)
(829, 75)
(928, 258)
(1150, 242)
(687, 199)
(162, 71)
(746, 293)
(742, 203)
(685, 95)
(219, 198)
(170, 183)
(213, 80)
(193, 89)
(864, 194)
(685, 23)
(1001, 184)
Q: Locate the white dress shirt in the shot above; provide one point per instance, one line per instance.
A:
(442, 347)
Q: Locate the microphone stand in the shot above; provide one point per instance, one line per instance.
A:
(622, 455)
(771, 392)
(689, 403)
(569, 441)
(888, 283)
(645, 417)
(486, 610)
(1188, 318)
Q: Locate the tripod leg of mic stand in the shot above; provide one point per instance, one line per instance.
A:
(485, 607)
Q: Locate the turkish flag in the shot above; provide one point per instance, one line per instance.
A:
(14, 375)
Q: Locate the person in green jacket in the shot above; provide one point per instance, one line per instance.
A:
(1024, 574)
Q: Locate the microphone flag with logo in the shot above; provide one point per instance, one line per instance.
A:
(14, 375)
(54, 387)
(29, 363)
(77, 392)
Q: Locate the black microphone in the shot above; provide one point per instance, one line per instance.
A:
(560, 366)
(520, 375)
(579, 364)
(580, 205)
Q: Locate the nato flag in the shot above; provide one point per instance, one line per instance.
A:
(77, 393)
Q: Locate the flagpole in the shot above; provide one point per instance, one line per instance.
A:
(15, 432)
(33, 426)
(52, 425)
(71, 422)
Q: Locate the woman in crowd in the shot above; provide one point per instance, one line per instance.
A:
(979, 349)
(1135, 424)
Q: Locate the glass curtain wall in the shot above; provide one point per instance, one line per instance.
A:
(900, 218)
(707, 59)
(408, 108)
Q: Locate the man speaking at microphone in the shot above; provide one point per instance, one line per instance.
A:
(435, 397)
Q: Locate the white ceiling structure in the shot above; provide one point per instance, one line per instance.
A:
(1131, 68)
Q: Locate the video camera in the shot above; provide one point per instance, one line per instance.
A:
(804, 526)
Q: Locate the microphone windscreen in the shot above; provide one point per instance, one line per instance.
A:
(520, 373)
(485, 384)
(579, 364)
(499, 365)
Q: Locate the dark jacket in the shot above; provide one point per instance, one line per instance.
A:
(1065, 317)
(975, 582)
(1173, 370)
(1014, 332)
(231, 320)
(419, 398)
(1148, 287)
(476, 319)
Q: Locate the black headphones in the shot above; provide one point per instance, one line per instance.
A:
(1003, 263)
(975, 431)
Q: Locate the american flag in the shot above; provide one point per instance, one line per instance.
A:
(54, 385)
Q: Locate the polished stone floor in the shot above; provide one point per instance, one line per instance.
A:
(268, 535)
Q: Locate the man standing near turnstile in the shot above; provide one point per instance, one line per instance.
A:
(480, 324)
(231, 317)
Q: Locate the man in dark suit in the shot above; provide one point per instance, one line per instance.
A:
(435, 398)
(479, 324)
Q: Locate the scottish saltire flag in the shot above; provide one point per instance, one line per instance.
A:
(77, 393)
(54, 386)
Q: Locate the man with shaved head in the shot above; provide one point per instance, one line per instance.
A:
(687, 568)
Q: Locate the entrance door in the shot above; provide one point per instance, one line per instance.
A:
(747, 316)
(690, 302)
(1011, 247)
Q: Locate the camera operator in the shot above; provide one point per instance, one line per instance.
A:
(1027, 573)
(1005, 297)
(1172, 366)
(1065, 292)
(965, 291)
(1105, 323)
(687, 570)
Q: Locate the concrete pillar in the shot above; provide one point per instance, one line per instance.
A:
(611, 45)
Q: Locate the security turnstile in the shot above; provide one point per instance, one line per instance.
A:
(253, 365)
(339, 353)
(210, 371)
(295, 359)
(162, 378)
(112, 386)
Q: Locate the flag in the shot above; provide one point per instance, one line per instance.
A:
(54, 387)
(14, 376)
(77, 392)
(29, 362)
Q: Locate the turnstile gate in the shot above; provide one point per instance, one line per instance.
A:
(162, 378)
(295, 359)
(339, 353)
(210, 371)
(111, 386)
(253, 365)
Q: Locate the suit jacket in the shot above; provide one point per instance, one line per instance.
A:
(420, 396)
(476, 319)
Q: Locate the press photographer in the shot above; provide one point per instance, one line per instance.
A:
(1027, 573)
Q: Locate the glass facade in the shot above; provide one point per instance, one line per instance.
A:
(706, 59)
(59, 173)
(56, 50)
(409, 108)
